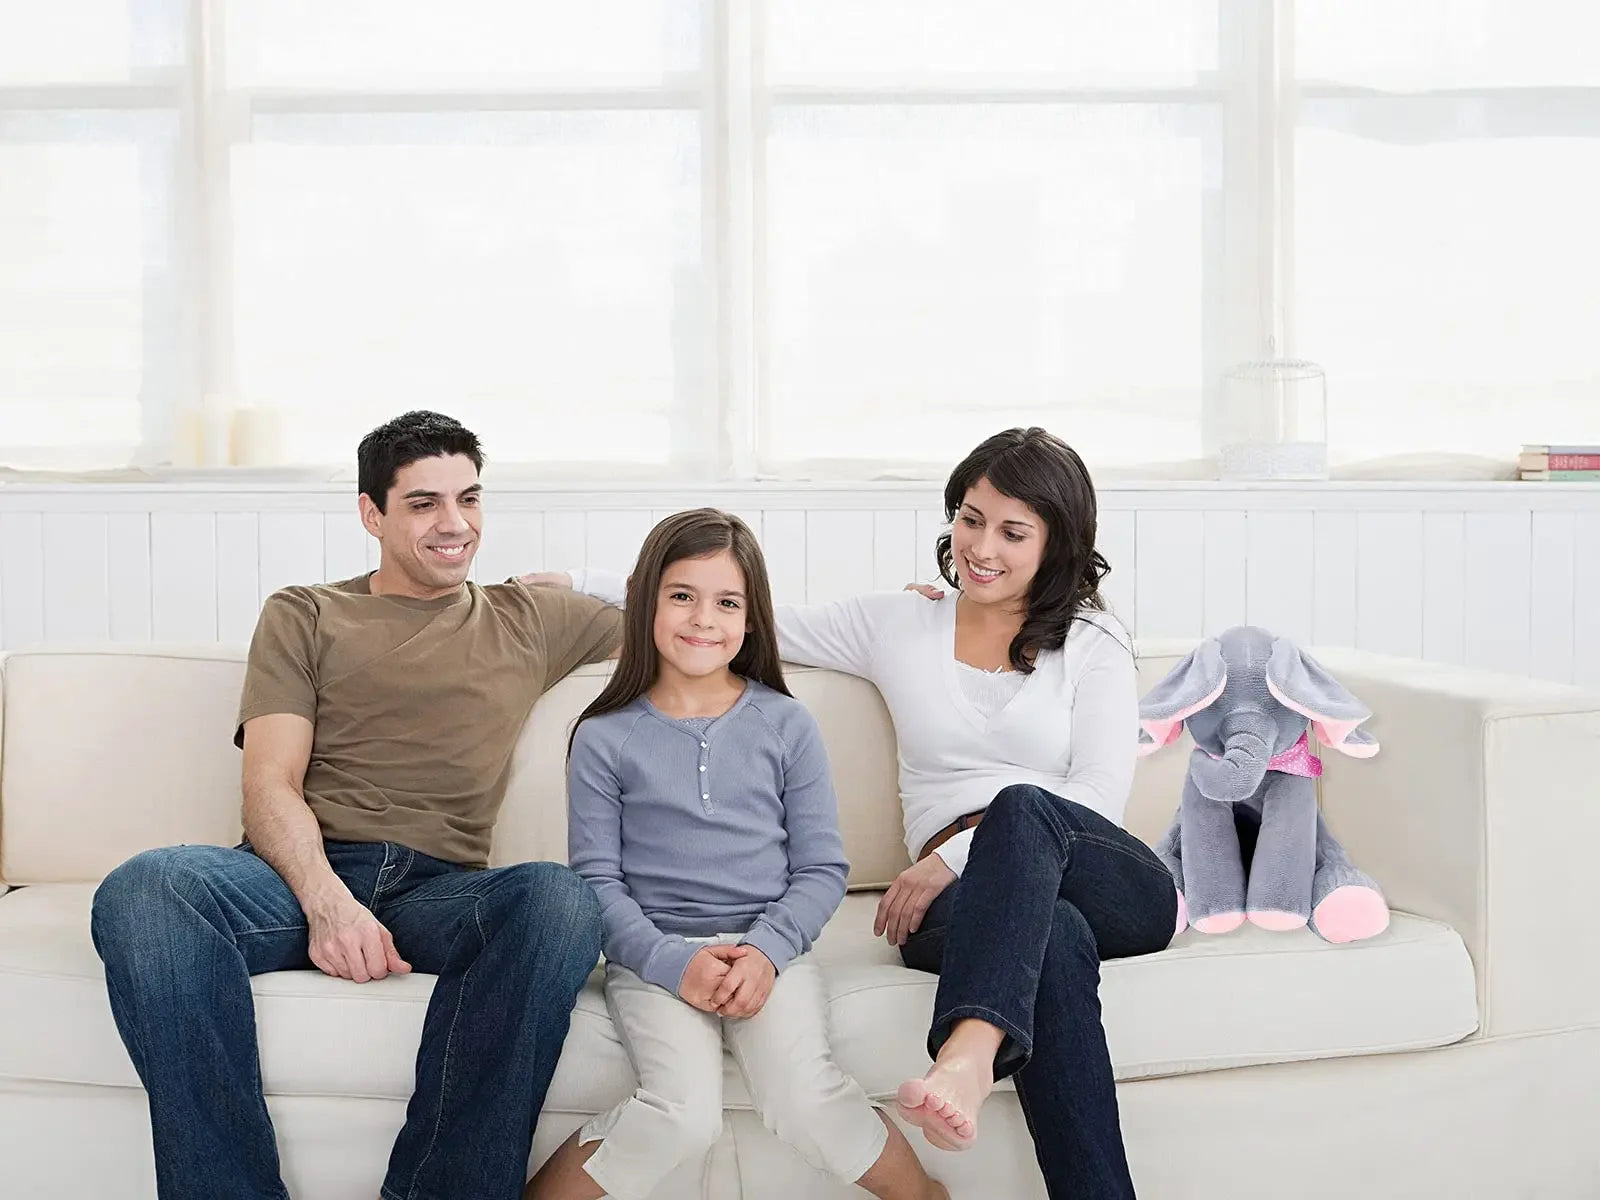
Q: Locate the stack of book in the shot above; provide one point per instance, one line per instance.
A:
(1579, 464)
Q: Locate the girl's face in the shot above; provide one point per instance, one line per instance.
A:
(700, 615)
(998, 543)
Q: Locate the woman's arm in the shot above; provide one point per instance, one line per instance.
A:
(594, 849)
(838, 636)
(1105, 729)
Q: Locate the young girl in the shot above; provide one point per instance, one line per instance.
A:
(703, 814)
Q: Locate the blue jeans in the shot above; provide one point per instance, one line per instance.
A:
(1050, 890)
(182, 929)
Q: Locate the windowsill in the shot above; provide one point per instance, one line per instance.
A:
(253, 479)
(1399, 473)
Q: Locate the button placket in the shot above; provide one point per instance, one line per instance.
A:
(704, 776)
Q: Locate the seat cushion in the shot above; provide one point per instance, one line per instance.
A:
(1203, 1004)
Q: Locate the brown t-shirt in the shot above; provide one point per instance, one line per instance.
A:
(417, 704)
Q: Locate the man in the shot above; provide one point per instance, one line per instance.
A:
(377, 723)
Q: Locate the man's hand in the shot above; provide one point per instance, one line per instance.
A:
(925, 589)
(555, 579)
(745, 988)
(903, 906)
(348, 942)
(705, 972)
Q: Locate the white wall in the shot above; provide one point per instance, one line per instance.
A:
(1502, 576)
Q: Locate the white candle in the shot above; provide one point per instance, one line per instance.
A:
(256, 438)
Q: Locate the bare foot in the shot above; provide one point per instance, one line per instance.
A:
(944, 1103)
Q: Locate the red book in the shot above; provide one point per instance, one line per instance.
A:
(1559, 461)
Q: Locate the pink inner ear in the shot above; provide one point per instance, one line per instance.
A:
(1166, 730)
(1162, 733)
(1330, 733)
(1333, 734)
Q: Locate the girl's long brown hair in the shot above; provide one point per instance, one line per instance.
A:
(692, 534)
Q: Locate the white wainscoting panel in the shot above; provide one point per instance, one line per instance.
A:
(1444, 580)
(1500, 576)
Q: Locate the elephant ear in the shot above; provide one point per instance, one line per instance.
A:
(1193, 684)
(1301, 683)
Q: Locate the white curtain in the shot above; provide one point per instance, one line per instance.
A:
(1445, 242)
(690, 239)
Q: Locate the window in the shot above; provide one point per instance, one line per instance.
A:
(982, 215)
(494, 210)
(1446, 260)
(97, 301)
(696, 239)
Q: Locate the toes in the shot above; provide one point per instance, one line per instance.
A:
(911, 1102)
(913, 1093)
(953, 1124)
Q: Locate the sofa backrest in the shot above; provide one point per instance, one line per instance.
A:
(107, 751)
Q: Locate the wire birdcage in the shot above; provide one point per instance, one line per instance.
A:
(1273, 421)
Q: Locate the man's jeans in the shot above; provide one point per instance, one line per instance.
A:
(181, 930)
(1050, 890)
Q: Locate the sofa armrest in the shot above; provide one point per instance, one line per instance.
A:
(1482, 810)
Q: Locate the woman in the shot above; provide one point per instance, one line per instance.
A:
(1015, 709)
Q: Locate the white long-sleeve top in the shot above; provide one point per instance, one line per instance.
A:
(1072, 728)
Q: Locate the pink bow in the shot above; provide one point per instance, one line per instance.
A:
(1296, 760)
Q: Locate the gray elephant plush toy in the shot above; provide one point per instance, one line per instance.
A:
(1248, 842)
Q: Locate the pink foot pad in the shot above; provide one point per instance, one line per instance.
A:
(1183, 916)
(1220, 922)
(1278, 922)
(1350, 913)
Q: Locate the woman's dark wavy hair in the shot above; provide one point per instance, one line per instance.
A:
(692, 534)
(1047, 475)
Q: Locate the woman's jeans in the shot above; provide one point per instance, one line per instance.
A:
(1051, 889)
(181, 930)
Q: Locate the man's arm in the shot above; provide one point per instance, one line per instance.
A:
(345, 939)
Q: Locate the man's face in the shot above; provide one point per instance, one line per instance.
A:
(431, 529)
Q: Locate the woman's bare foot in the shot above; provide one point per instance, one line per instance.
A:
(944, 1103)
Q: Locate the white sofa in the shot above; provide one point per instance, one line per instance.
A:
(1456, 1055)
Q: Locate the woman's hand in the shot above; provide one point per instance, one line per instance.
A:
(903, 906)
(925, 589)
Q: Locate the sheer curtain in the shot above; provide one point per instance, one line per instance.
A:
(980, 215)
(697, 239)
(1446, 252)
(98, 344)
(494, 209)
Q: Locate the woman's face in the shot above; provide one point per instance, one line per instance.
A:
(998, 543)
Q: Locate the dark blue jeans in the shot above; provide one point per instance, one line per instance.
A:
(1050, 890)
(181, 930)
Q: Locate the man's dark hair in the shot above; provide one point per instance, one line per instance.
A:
(406, 439)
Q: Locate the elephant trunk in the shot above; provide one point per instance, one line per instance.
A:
(1247, 738)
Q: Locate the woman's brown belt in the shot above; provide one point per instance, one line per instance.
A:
(948, 832)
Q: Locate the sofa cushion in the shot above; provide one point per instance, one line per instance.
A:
(1202, 1004)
